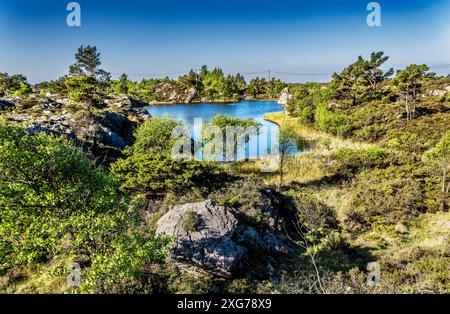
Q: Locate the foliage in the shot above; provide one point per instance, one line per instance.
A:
(361, 80)
(365, 158)
(122, 85)
(15, 85)
(440, 155)
(409, 85)
(190, 222)
(49, 192)
(122, 267)
(150, 167)
(328, 121)
(234, 131)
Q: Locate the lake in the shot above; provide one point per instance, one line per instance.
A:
(188, 113)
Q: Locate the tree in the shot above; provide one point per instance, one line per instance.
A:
(49, 191)
(14, 85)
(350, 83)
(87, 84)
(409, 85)
(257, 87)
(86, 70)
(235, 132)
(361, 80)
(87, 63)
(288, 143)
(56, 205)
(440, 156)
(149, 166)
(374, 75)
(122, 84)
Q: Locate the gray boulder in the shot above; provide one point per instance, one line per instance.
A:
(264, 240)
(191, 95)
(114, 121)
(110, 138)
(208, 242)
(284, 97)
(20, 117)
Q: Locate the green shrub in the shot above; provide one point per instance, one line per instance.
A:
(191, 222)
(330, 122)
(122, 268)
(383, 198)
(364, 158)
(149, 166)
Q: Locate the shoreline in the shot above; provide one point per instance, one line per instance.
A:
(228, 101)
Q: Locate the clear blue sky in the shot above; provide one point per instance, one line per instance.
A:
(147, 37)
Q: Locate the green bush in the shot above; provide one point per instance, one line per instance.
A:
(122, 268)
(331, 122)
(365, 158)
(382, 198)
(55, 203)
(150, 167)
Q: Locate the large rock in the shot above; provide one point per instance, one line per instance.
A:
(108, 137)
(264, 240)
(284, 97)
(191, 95)
(4, 104)
(209, 244)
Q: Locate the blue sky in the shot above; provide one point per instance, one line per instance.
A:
(158, 37)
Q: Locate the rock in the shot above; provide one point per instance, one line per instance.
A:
(191, 95)
(141, 112)
(264, 240)
(110, 138)
(438, 92)
(4, 104)
(333, 105)
(35, 129)
(173, 96)
(443, 223)
(114, 121)
(20, 117)
(284, 97)
(210, 244)
(63, 101)
(42, 119)
(56, 118)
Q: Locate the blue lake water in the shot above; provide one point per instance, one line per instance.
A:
(204, 112)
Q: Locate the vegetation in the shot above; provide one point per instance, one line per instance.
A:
(55, 204)
(373, 187)
(150, 167)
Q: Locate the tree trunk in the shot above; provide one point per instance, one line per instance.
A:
(444, 179)
(280, 185)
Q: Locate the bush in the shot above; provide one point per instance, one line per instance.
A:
(149, 166)
(55, 203)
(122, 268)
(384, 198)
(330, 122)
(366, 158)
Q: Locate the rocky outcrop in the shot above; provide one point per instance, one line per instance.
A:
(209, 236)
(440, 92)
(284, 97)
(113, 127)
(5, 104)
(192, 93)
(209, 245)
